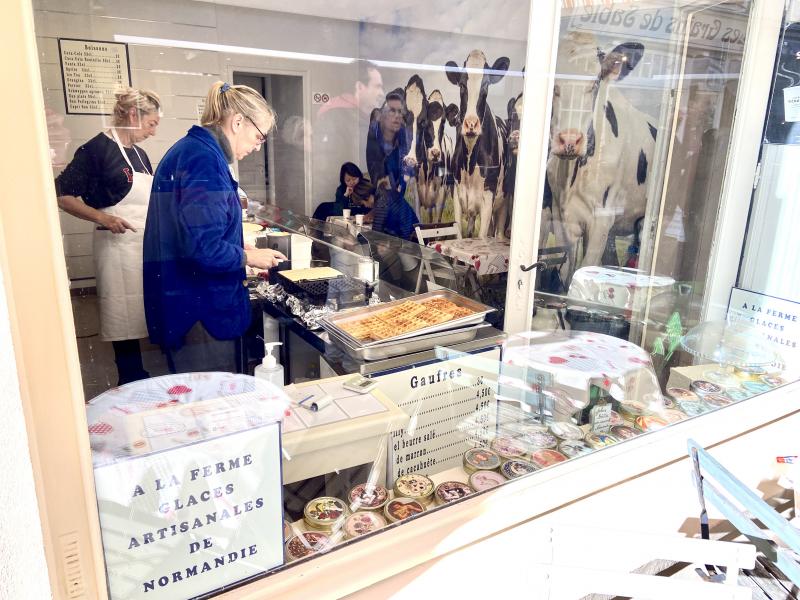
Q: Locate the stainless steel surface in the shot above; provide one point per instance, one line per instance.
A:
(485, 338)
(479, 311)
(400, 347)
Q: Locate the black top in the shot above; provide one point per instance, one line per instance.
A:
(99, 174)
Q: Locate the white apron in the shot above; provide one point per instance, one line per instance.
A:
(118, 262)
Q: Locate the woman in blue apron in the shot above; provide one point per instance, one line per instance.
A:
(108, 183)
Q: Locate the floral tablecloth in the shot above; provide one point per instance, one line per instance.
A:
(174, 410)
(486, 256)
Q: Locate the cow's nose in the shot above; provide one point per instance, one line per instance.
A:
(471, 124)
(570, 140)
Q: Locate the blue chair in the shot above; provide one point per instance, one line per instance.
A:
(718, 486)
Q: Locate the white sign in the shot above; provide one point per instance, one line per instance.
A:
(778, 320)
(184, 522)
(320, 97)
(791, 104)
(92, 72)
(714, 29)
(452, 408)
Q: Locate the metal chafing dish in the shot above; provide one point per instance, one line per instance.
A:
(407, 346)
(479, 311)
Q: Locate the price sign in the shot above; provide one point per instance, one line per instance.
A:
(92, 72)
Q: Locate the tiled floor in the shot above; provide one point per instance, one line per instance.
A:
(98, 369)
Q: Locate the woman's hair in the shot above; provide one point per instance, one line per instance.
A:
(144, 101)
(351, 169)
(224, 100)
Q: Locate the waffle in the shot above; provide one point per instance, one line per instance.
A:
(406, 309)
(361, 329)
(433, 316)
(447, 306)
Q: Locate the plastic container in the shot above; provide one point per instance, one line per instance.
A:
(511, 469)
(545, 458)
(480, 459)
(450, 491)
(305, 544)
(269, 369)
(485, 480)
(362, 523)
(325, 513)
(367, 497)
(414, 486)
(402, 508)
(508, 447)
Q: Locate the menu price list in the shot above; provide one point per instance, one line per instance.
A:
(92, 73)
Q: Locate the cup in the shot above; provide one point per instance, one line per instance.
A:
(346, 213)
(359, 219)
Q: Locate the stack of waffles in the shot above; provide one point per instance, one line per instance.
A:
(404, 318)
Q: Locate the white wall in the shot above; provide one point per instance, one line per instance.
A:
(23, 570)
(182, 76)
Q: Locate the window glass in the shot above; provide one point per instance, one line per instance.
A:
(287, 237)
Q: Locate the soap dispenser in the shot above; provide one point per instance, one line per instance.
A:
(270, 369)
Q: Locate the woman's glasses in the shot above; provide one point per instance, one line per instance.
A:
(262, 135)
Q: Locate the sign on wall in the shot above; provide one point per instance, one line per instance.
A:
(187, 521)
(91, 72)
(776, 318)
(452, 408)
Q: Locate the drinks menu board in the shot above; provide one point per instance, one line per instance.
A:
(91, 72)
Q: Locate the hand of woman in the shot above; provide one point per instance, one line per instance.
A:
(263, 258)
(347, 192)
(114, 224)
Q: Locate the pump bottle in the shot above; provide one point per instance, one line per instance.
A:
(270, 369)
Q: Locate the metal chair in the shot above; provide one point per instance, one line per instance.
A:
(719, 486)
(437, 231)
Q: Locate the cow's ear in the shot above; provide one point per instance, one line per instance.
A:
(499, 69)
(435, 111)
(453, 72)
(451, 114)
(623, 59)
(416, 80)
(511, 103)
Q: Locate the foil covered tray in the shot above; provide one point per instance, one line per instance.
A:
(479, 312)
(408, 346)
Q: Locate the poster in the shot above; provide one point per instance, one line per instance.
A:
(91, 72)
(183, 522)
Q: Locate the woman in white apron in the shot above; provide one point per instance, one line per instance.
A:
(108, 183)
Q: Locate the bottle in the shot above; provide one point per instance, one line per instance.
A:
(270, 369)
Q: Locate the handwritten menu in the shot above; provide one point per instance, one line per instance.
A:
(452, 407)
(92, 71)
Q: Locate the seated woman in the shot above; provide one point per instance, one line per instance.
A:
(355, 192)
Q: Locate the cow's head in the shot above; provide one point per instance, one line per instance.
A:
(513, 123)
(473, 80)
(435, 126)
(582, 69)
(417, 116)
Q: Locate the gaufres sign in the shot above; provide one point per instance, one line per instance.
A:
(183, 522)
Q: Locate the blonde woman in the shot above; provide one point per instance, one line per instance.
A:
(194, 255)
(108, 183)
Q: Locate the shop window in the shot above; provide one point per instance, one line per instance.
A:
(357, 226)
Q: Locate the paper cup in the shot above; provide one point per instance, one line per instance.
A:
(359, 219)
(346, 213)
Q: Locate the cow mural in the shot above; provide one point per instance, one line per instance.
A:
(601, 149)
(479, 149)
(434, 178)
(430, 150)
(511, 128)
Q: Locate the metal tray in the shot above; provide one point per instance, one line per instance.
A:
(479, 311)
(399, 347)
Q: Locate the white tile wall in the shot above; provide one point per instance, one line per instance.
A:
(196, 70)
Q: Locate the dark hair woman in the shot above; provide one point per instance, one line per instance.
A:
(355, 192)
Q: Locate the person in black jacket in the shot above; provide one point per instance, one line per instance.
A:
(355, 192)
(388, 162)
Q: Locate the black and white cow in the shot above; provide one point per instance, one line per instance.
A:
(478, 155)
(434, 177)
(430, 150)
(512, 124)
(601, 149)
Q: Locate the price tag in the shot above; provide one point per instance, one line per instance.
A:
(600, 418)
(791, 104)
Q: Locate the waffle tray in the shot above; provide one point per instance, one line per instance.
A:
(478, 313)
(385, 350)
